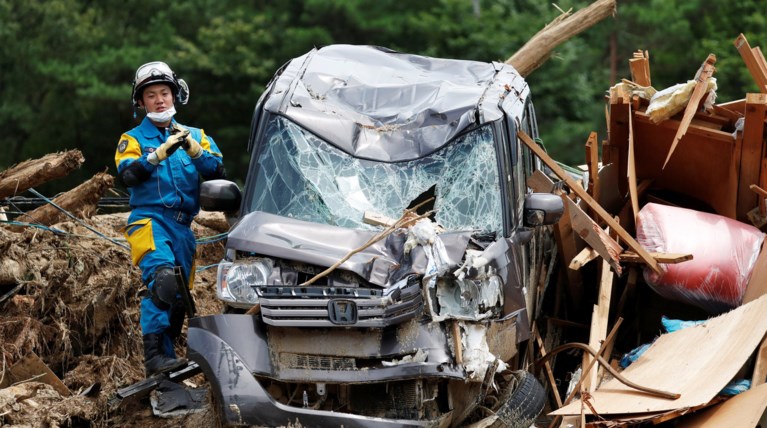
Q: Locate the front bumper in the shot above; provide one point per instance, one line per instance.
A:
(233, 349)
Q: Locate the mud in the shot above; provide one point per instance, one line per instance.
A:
(77, 309)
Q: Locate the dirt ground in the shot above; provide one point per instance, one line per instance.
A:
(78, 310)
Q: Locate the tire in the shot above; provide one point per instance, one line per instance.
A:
(524, 401)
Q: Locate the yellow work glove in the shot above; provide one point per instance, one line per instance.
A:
(167, 148)
(192, 147)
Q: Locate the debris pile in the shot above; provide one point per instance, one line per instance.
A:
(69, 313)
(680, 186)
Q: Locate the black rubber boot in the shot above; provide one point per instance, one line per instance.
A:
(155, 360)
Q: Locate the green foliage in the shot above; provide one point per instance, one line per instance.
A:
(66, 65)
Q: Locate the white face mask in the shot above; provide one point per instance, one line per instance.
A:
(162, 116)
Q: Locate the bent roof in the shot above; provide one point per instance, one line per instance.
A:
(378, 104)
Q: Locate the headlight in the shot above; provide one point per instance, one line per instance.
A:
(236, 280)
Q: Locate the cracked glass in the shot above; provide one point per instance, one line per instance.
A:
(303, 177)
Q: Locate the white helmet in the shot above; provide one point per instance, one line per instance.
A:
(158, 72)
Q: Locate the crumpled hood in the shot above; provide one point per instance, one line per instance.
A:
(383, 263)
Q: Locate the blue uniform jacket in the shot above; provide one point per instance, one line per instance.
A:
(175, 182)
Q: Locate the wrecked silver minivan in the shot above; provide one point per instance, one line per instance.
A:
(339, 317)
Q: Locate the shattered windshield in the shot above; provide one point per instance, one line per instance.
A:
(303, 177)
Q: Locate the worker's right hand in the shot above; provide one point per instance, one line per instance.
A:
(167, 148)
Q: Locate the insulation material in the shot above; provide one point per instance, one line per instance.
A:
(674, 99)
(724, 253)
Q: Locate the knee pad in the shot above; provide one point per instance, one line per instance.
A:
(165, 288)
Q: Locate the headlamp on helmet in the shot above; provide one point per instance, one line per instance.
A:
(158, 72)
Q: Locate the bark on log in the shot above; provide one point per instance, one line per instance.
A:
(31, 173)
(81, 202)
(540, 47)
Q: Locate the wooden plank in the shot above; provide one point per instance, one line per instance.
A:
(737, 106)
(700, 131)
(640, 68)
(752, 153)
(761, 194)
(696, 362)
(705, 71)
(586, 255)
(632, 173)
(667, 258)
(759, 56)
(592, 159)
(547, 368)
(741, 44)
(578, 190)
(594, 236)
(598, 332)
(743, 410)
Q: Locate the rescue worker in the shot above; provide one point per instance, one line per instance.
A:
(162, 163)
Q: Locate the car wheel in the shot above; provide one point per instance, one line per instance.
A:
(520, 403)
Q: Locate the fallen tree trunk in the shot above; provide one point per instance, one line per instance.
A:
(81, 201)
(31, 173)
(540, 47)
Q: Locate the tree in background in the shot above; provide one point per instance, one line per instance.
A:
(66, 65)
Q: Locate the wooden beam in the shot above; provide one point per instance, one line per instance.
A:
(705, 72)
(665, 258)
(599, 319)
(578, 190)
(752, 153)
(752, 63)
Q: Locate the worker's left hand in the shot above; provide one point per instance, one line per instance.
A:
(192, 147)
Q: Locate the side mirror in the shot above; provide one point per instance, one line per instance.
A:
(220, 195)
(542, 209)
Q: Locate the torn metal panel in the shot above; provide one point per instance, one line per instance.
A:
(323, 245)
(375, 105)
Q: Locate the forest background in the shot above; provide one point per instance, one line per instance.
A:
(66, 66)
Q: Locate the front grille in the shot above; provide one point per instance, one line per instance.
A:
(315, 362)
(338, 306)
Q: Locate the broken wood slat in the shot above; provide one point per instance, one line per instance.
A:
(632, 174)
(547, 367)
(594, 235)
(578, 190)
(751, 153)
(563, 234)
(761, 194)
(705, 72)
(736, 106)
(31, 173)
(640, 68)
(31, 367)
(592, 159)
(599, 319)
(666, 258)
(714, 135)
(586, 255)
(741, 44)
(759, 56)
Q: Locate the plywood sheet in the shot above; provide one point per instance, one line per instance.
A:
(743, 410)
(696, 362)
